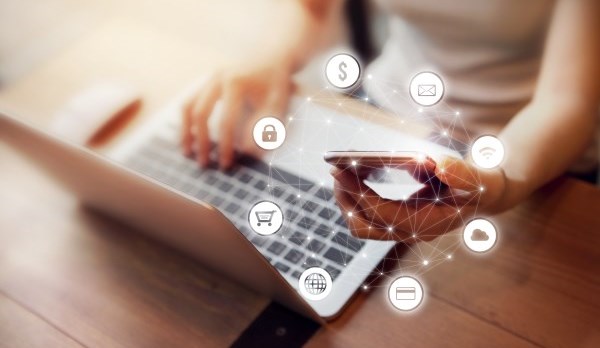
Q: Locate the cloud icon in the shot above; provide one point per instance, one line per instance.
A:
(479, 236)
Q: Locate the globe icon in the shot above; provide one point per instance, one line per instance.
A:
(315, 284)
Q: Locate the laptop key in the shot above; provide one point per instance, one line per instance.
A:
(310, 206)
(306, 223)
(282, 267)
(260, 185)
(323, 231)
(327, 213)
(277, 191)
(259, 241)
(296, 274)
(225, 186)
(333, 272)
(276, 247)
(312, 262)
(294, 256)
(298, 238)
(349, 242)
(217, 201)
(241, 193)
(292, 199)
(232, 208)
(315, 246)
(290, 215)
(245, 178)
(324, 194)
(341, 221)
(338, 256)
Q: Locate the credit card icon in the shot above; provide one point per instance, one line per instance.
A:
(406, 293)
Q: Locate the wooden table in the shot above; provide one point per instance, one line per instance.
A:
(69, 277)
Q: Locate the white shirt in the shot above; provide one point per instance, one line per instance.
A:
(488, 54)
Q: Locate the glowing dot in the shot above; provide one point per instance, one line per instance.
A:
(370, 227)
(291, 118)
(395, 91)
(353, 163)
(402, 121)
(364, 255)
(442, 170)
(312, 255)
(362, 129)
(449, 257)
(414, 235)
(404, 197)
(420, 110)
(365, 287)
(369, 76)
(339, 104)
(390, 229)
(362, 194)
(457, 113)
(425, 262)
(322, 183)
(308, 99)
(437, 199)
(380, 273)
(481, 188)
(366, 98)
(350, 214)
(328, 121)
(300, 149)
(298, 196)
(444, 133)
(308, 238)
(458, 210)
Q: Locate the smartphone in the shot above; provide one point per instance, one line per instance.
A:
(380, 159)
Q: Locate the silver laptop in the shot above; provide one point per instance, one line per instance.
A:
(147, 183)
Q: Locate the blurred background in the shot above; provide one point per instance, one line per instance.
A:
(31, 32)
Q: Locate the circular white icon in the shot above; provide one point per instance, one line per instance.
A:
(342, 70)
(405, 293)
(487, 152)
(269, 133)
(426, 88)
(479, 235)
(315, 283)
(265, 218)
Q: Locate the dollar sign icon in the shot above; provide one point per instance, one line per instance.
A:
(343, 75)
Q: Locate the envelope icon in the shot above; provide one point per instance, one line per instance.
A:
(426, 90)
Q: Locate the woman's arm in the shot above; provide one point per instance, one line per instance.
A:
(548, 135)
(541, 142)
(263, 83)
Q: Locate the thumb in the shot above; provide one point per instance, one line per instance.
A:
(459, 174)
(463, 175)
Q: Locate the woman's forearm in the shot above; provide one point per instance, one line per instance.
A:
(542, 141)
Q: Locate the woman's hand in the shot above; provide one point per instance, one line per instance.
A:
(428, 213)
(247, 95)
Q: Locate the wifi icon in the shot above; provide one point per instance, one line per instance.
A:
(487, 152)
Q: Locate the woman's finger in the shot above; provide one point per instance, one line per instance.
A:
(359, 226)
(232, 112)
(201, 112)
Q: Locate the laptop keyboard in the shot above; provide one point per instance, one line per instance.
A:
(313, 234)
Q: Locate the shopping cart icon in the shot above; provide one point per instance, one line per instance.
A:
(264, 217)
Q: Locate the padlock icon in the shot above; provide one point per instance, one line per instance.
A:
(269, 134)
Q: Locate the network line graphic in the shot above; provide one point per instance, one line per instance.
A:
(427, 219)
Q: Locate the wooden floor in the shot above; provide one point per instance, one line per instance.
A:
(70, 277)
